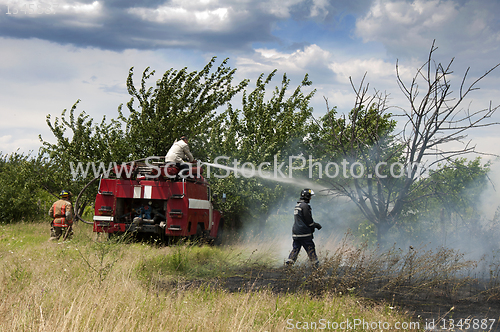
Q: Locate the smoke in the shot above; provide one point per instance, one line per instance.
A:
(473, 235)
(469, 226)
(490, 199)
(337, 215)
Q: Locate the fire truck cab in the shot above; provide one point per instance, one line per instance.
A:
(156, 199)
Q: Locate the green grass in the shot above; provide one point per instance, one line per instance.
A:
(198, 262)
(87, 285)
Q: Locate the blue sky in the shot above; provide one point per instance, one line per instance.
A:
(84, 49)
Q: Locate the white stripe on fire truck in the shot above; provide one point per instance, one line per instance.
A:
(103, 218)
(137, 191)
(147, 192)
(198, 204)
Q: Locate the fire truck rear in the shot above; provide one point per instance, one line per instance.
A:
(156, 199)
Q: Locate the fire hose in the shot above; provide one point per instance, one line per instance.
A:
(77, 216)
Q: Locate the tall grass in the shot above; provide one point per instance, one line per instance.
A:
(412, 272)
(86, 285)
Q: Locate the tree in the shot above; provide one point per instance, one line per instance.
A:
(264, 129)
(21, 197)
(182, 103)
(87, 142)
(433, 119)
(448, 204)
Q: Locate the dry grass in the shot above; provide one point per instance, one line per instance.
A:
(83, 285)
(411, 272)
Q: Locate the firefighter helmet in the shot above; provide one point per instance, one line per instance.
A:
(306, 194)
(65, 194)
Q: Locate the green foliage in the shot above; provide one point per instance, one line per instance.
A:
(459, 185)
(86, 142)
(264, 129)
(21, 197)
(182, 103)
(447, 203)
(363, 147)
(365, 131)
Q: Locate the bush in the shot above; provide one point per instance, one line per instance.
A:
(20, 196)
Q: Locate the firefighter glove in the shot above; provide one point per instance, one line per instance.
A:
(318, 226)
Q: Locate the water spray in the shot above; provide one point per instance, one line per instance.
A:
(248, 172)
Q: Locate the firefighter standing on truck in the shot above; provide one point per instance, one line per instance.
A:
(62, 213)
(179, 152)
(303, 229)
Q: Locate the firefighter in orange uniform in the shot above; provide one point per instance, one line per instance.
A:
(62, 213)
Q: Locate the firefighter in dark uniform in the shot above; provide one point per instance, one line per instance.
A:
(62, 213)
(303, 229)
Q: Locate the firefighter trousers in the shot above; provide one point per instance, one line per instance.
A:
(309, 247)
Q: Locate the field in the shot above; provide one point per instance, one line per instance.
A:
(90, 284)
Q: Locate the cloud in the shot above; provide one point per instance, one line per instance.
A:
(194, 20)
(311, 59)
(10, 144)
(209, 25)
(407, 28)
(85, 49)
(40, 78)
(147, 25)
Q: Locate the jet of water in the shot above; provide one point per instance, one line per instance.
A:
(270, 176)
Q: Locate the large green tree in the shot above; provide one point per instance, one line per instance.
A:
(79, 141)
(447, 204)
(181, 103)
(21, 196)
(265, 131)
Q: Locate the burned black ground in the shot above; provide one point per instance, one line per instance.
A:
(465, 299)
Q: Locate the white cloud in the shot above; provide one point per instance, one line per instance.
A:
(279, 8)
(358, 67)
(408, 28)
(299, 61)
(215, 19)
(39, 77)
(92, 9)
(18, 143)
(319, 8)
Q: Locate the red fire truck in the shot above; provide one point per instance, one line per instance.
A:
(153, 198)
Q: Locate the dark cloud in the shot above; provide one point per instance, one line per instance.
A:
(118, 25)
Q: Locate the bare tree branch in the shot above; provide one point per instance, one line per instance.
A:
(434, 119)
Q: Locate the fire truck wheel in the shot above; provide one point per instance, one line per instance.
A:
(200, 234)
(220, 231)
